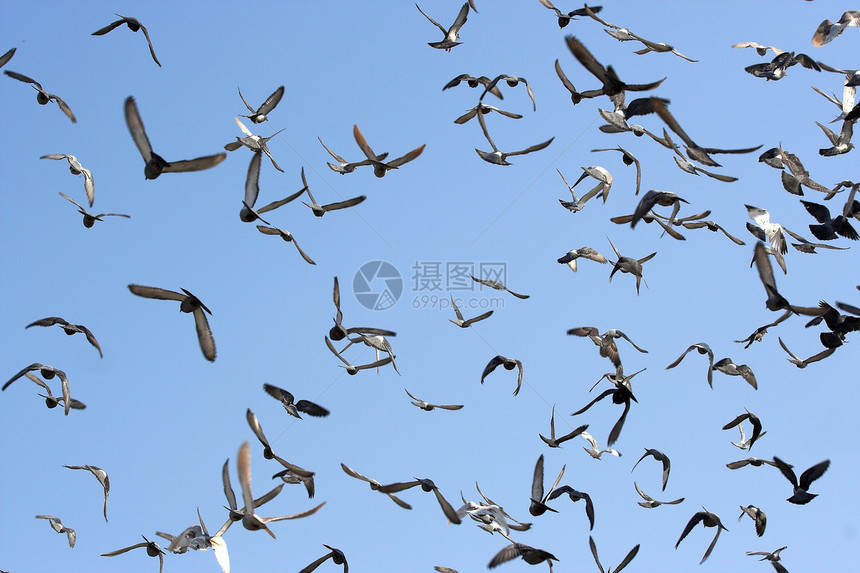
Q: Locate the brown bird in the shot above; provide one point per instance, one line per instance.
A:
(134, 25)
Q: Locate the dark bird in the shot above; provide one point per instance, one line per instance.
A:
(529, 554)
(660, 457)
(4, 59)
(48, 373)
(554, 442)
(189, 304)
(379, 167)
(76, 168)
(89, 218)
(801, 495)
(651, 502)
(726, 366)
(261, 114)
(629, 265)
(537, 505)
(152, 549)
(630, 555)
(708, 519)
(574, 497)
(575, 96)
(569, 258)
(428, 486)
(43, 97)
(320, 210)
(452, 34)
(612, 85)
(497, 157)
(652, 198)
(755, 462)
(474, 82)
(565, 18)
(494, 284)
(701, 348)
(757, 515)
(508, 364)
(777, 67)
(621, 394)
(134, 25)
(52, 401)
(255, 426)
(512, 81)
(756, 426)
(829, 228)
(69, 329)
(292, 406)
(100, 475)
(155, 164)
(336, 555)
(374, 485)
(759, 332)
(57, 525)
(466, 323)
(428, 407)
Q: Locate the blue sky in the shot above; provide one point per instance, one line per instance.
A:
(162, 420)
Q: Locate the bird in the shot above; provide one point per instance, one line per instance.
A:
(286, 236)
(707, 519)
(537, 505)
(804, 363)
(829, 228)
(629, 265)
(293, 474)
(776, 68)
(801, 495)
(687, 166)
(336, 555)
(512, 81)
(100, 475)
(621, 394)
(473, 82)
(701, 348)
(660, 457)
(292, 406)
(466, 323)
(529, 554)
(52, 401)
(554, 442)
(249, 213)
(806, 246)
(776, 301)
(188, 303)
(624, 562)
(236, 513)
(379, 167)
(839, 143)
(759, 332)
(605, 342)
(772, 231)
(593, 451)
(625, 35)
(713, 227)
(320, 210)
(628, 159)
(428, 486)
(261, 114)
(89, 218)
(757, 515)
(69, 329)
(57, 525)
(452, 34)
(577, 204)
(768, 555)
(575, 96)
(497, 157)
(612, 85)
(134, 25)
(4, 59)
(43, 97)
(255, 426)
(253, 142)
(755, 462)
(48, 372)
(753, 420)
(762, 50)
(508, 364)
(343, 167)
(652, 198)
(827, 30)
(494, 284)
(726, 366)
(651, 502)
(574, 497)
(743, 443)
(565, 18)
(428, 407)
(152, 549)
(155, 164)
(374, 485)
(484, 109)
(353, 370)
(604, 181)
(217, 543)
(570, 257)
(797, 176)
(76, 168)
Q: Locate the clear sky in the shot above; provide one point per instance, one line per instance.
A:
(162, 420)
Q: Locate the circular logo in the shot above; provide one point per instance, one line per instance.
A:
(377, 285)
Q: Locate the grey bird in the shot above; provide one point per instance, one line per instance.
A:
(701, 348)
(757, 515)
(255, 426)
(428, 486)
(628, 159)
(188, 303)
(575, 496)
(768, 555)
(743, 443)
(336, 555)
(374, 485)
(554, 442)
(625, 35)
(152, 549)
(292, 406)
(466, 323)
(759, 332)
(537, 505)
(494, 284)
(155, 164)
(343, 167)
(652, 198)
(801, 495)
(624, 562)
(593, 450)
(776, 301)
(797, 361)
(57, 525)
(452, 34)
(755, 462)
(512, 81)
(473, 82)
(650, 502)
(484, 109)
(76, 168)
(380, 168)
(839, 143)
(288, 237)
(236, 513)
(52, 401)
(508, 364)
(726, 366)
(761, 50)
(577, 204)
(565, 18)
(570, 257)
(753, 420)
(100, 475)
(529, 554)
(320, 210)
(351, 369)
(605, 342)
(43, 97)
(660, 457)
(89, 218)
(249, 213)
(497, 157)
(69, 329)
(293, 474)
(4, 59)
(707, 519)
(629, 265)
(428, 407)
(48, 372)
(134, 25)
(713, 227)
(261, 114)
(253, 142)
(806, 246)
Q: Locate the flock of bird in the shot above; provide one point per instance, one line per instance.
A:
(769, 240)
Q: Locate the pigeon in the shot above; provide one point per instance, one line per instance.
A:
(428, 407)
(452, 34)
(757, 515)
(801, 495)
(76, 168)
(494, 284)
(701, 348)
(754, 421)
(100, 475)
(152, 549)
(726, 366)
(320, 210)
(288, 237)
(804, 363)
(554, 442)
(353, 370)
(43, 97)
(428, 486)
(629, 265)
(565, 18)
(509, 364)
(621, 394)
(374, 485)
(4, 59)
(624, 562)
(538, 499)
(52, 401)
(474, 82)
(134, 25)
(89, 218)
(569, 258)
(343, 167)
(336, 555)
(660, 457)
(827, 30)
(497, 157)
(529, 554)
(577, 204)
(612, 85)
(253, 142)
(628, 159)
(48, 373)
(755, 462)
(593, 451)
(69, 329)
(379, 167)
(574, 497)
(466, 323)
(651, 502)
(294, 407)
(57, 525)
(707, 519)
(261, 114)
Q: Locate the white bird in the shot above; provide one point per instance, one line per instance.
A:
(593, 451)
(772, 231)
(76, 168)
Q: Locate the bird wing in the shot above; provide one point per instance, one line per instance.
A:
(435, 23)
(362, 143)
(252, 181)
(149, 43)
(812, 474)
(204, 334)
(135, 127)
(271, 101)
(630, 555)
(228, 488)
(197, 164)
